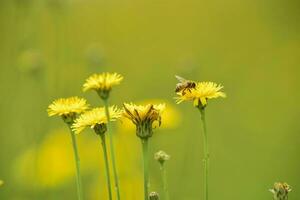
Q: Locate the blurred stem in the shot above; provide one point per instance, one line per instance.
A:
(165, 181)
(102, 136)
(146, 167)
(112, 151)
(206, 153)
(77, 161)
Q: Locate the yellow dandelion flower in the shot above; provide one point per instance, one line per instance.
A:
(201, 93)
(143, 116)
(95, 117)
(67, 106)
(102, 83)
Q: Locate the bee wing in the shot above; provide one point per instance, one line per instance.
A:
(179, 78)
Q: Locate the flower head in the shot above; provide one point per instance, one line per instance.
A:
(153, 196)
(201, 93)
(68, 108)
(102, 83)
(1, 183)
(96, 119)
(143, 116)
(161, 156)
(280, 191)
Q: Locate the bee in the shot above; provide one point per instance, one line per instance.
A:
(184, 85)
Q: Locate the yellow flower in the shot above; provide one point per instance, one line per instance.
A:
(1, 183)
(95, 117)
(143, 116)
(102, 83)
(201, 93)
(67, 106)
(51, 163)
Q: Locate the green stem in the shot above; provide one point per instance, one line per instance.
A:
(146, 167)
(102, 136)
(77, 161)
(165, 181)
(206, 153)
(112, 152)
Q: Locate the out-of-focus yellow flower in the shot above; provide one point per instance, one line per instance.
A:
(143, 116)
(1, 183)
(102, 83)
(51, 163)
(67, 106)
(201, 93)
(95, 117)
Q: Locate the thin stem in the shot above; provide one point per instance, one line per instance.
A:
(206, 153)
(146, 167)
(112, 152)
(102, 136)
(77, 161)
(165, 181)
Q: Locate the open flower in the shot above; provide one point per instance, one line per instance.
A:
(95, 119)
(68, 108)
(280, 191)
(143, 116)
(102, 83)
(201, 93)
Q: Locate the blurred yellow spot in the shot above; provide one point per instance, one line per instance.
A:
(51, 163)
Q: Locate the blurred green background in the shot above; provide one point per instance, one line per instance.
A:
(49, 47)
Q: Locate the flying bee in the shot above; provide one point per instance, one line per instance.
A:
(184, 85)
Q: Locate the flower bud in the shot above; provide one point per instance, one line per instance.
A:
(280, 191)
(161, 156)
(153, 196)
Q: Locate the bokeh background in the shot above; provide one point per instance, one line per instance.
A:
(49, 47)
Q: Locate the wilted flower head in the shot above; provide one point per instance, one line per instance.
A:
(102, 83)
(280, 191)
(201, 93)
(161, 156)
(153, 196)
(143, 116)
(67, 108)
(95, 119)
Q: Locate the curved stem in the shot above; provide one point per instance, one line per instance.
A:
(102, 136)
(112, 152)
(77, 161)
(146, 167)
(206, 153)
(165, 181)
